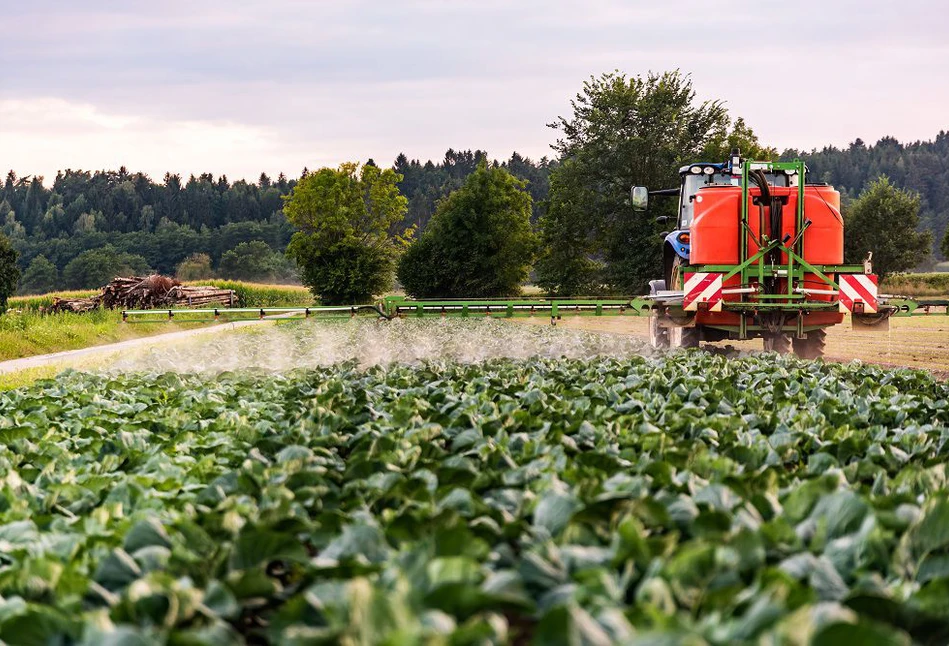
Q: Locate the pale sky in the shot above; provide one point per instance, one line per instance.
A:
(241, 86)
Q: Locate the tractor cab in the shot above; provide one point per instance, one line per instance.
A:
(694, 177)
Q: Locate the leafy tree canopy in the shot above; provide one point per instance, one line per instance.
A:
(884, 220)
(96, 267)
(9, 272)
(625, 131)
(256, 261)
(479, 243)
(194, 267)
(343, 219)
(40, 277)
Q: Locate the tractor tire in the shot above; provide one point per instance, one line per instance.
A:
(675, 279)
(658, 335)
(812, 346)
(780, 343)
(684, 337)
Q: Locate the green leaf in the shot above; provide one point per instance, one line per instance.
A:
(554, 511)
(117, 570)
(862, 632)
(146, 533)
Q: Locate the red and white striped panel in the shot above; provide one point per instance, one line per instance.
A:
(858, 288)
(702, 288)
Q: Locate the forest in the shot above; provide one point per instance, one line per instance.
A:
(145, 223)
(921, 166)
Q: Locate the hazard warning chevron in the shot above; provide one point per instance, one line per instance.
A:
(858, 290)
(702, 288)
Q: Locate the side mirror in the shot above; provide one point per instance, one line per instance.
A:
(639, 196)
(662, 219)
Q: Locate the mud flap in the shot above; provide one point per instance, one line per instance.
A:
(871, 322)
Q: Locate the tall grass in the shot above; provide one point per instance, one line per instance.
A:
(36, 301)
(27, 333)
(260, 295)
(935, 284)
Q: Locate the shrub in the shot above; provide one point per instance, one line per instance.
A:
(96, 267)
(342, 243)
(194, 267)
(478, 244)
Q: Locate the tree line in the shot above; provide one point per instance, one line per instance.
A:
(580, 235)
(921, 167)
(189, 226)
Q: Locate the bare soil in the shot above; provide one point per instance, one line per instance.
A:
(912, 342)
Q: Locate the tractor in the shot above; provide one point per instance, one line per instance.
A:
(757, 252)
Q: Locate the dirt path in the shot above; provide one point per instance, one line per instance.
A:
(85, 357)
(912, 342)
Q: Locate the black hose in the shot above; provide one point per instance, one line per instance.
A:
(777, 216)
(761, 180)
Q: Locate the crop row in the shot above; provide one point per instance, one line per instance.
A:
(683, 499)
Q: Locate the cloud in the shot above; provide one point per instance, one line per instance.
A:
(49, 134)
(276, 85)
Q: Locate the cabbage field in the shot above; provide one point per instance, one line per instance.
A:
(588, 495)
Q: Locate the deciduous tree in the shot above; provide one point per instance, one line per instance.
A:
(194, 267)
(343, 219)
(479, 243)
(884, 220)
(96, 267)
(40, 277)
(623, 131)
(9, 272)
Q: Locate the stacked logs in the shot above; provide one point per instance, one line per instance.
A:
(76, 305)
(148, 292)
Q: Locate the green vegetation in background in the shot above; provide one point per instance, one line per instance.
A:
(344, 218)
(37, 301)
(425, 184)
(920, 166)
(9, 272)
(935, 284)
(884, 221)
(259, 295)
(28, 333)
(256, 261)
(685, 499)
(40, 277)
(166, 221)
(625, 131)
(479, 244)
(197, 266)
(97, 267)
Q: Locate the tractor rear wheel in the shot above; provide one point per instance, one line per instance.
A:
(658, 335)
(812, 346)
(684, 337)
(780, 343)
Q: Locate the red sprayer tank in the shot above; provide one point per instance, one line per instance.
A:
(716, 226)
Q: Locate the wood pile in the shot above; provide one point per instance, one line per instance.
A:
(194, 295)
(148, 292)
(77, 305)
(137, 292)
